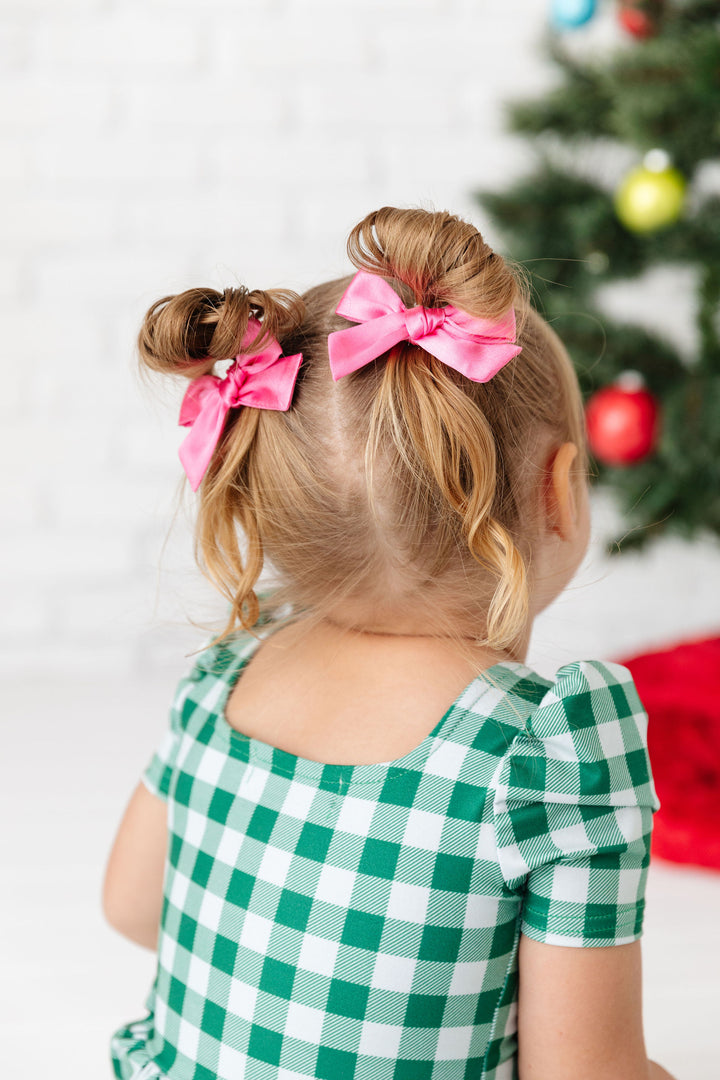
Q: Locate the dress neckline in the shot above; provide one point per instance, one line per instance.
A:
(338, 777)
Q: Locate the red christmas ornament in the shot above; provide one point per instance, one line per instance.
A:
(639, 18)
(623, 421)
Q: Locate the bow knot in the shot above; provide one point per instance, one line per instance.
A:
(231, 386)
(475, 347)
(422, 321)
(264, 379)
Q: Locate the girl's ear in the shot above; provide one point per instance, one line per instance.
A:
(559, 496)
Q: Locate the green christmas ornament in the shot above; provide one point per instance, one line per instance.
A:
(651, 196)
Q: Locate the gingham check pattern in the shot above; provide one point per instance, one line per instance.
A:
(340, 922)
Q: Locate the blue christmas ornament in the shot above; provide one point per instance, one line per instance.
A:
(567, 14)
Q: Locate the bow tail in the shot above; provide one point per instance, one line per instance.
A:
(198, 446)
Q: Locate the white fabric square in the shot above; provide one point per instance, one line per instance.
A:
(626, 797)
(335, 885)
(611, 739)
(274, 865)
(167, 951)
(210, 766)
(252, 783)
(486, 843)
(423, 830)
(512, 863)
(256, 932)
(561, 747)
(394, 973)
(161, 1011)
(447, 760)
(453, 1043)
(355, 815)
(229, 846)
(304, 1023)
(178, 891)
(408, 902)
(241, 1000)
(481, 911)
(571, 839)
(629, 822)
(210, 910)
(318, 955)
(198, 976)
(194, 829)
(571, 883)
(298, 800)
(467, 977)
(188, 1037)
(629, 885)
(231, 1063)
(214, 694)
(380, 1040)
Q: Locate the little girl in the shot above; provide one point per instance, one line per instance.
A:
(374, 843)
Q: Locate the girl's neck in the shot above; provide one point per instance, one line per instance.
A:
(407, 632)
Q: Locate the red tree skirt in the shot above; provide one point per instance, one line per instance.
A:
(680, 689)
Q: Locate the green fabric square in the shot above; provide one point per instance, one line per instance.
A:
(425, 1010)
(503, 939)
(176, 845)
(213, 1020)
(379, 858)
(240, 888)
(440, 943)
(579, 710)
(176, 994)
(452, 872)
(532, 690)
(186, 932)
(201, 1073)
(529, 821)
(314, 841)
(599, 920)
(620, 700)
(335, 1064)
(183, 788)
(277, 978)
(261, 823)
(528, 772)
(224, 953)
(336, 778)
(400, 787)
(594, 777)
(466, 801)
(265, 1045)
(637, 763)
(486, 1004)
(201, 869)
(362, 930)
(293, 910)
(220, 805)
(347, 999)
(407, 1069)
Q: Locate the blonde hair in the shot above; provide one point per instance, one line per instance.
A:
(402, 488)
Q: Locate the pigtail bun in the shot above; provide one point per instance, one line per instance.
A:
(436, 419)
(185, 334)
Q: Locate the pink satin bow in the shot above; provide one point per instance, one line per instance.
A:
(264, 379)
(477, 348)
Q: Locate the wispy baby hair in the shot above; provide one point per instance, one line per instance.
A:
(402, 490)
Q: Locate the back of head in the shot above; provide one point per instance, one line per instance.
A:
(404, 490)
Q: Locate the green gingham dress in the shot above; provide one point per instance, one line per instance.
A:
(339, 921)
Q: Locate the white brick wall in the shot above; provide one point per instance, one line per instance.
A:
(150, 146)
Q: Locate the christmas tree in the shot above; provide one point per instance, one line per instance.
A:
(576, 223)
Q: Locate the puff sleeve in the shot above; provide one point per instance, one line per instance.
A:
(573, 802)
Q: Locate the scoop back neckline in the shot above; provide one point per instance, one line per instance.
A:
(340, 776)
